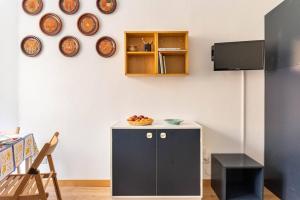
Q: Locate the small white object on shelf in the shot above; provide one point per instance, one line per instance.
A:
(170, 49)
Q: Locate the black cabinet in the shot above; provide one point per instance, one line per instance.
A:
(178, 163)
(155, 162)
(134, 162)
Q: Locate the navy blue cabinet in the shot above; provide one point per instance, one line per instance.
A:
(134, 162)
(178, 163)
(156, 162)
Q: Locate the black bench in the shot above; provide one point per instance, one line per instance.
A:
(236, 177)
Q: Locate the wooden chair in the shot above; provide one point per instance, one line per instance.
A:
(32, 185)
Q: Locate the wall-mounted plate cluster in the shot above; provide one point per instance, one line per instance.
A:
(51, 25)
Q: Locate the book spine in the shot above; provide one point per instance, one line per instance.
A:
(165, 67)
(161, 65)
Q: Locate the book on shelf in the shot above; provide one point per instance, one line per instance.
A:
(165, 66)
(162, 64)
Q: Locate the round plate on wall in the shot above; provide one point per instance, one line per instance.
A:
(69, 6)
(106, 47)
(107, 6)
(32, 7)
(31, 46)
(69, 46)
(88, 24)
(50, 24)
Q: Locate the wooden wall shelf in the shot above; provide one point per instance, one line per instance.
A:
(142, 63)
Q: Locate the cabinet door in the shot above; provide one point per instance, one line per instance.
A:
(178, 156)
(134, 162)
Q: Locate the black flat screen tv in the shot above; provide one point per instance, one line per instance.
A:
(246, 55)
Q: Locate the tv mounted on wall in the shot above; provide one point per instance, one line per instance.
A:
(245, 55)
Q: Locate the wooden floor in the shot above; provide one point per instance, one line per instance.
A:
(97, 193)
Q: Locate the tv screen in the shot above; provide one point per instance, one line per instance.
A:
(248, 55)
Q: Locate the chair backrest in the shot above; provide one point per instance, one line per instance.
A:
(47, 150)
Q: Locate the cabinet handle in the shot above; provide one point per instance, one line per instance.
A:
(163, 135)
(149, 135)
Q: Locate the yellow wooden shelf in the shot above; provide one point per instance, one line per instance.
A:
(156, 75)
(179, 74)
(173, 52)
(140, 53)
(141, 63)
(138, 75)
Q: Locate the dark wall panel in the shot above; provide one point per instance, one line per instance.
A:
(282, 100)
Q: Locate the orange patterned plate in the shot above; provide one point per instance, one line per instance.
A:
(69, 6)
(69, 46)
(106, 46)
(88, 24)
(50, 24)
(31, 46)
(107, 6)
(32, 7)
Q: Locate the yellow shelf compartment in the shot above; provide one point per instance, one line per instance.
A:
(140, 64)
(177, 39)
(176, 63)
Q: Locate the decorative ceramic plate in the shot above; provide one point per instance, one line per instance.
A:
(69, 46)
(107, 6)
(50, 24)
(32, 7)
(31, 46)
(106, 46)
(88, 24)
(69, 6)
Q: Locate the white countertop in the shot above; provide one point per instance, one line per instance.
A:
(158, 124)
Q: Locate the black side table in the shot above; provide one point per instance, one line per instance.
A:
(236, 177)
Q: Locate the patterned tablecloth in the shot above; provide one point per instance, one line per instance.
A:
(13, 153)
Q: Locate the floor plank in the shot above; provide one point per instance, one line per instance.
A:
(102, 193)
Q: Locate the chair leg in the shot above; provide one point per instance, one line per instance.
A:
(54, 178)
(40, 186)
(56, 187)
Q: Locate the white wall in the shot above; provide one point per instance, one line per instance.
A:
(82, 96)
(8, 65)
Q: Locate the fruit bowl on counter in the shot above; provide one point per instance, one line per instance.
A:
(140, 120)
